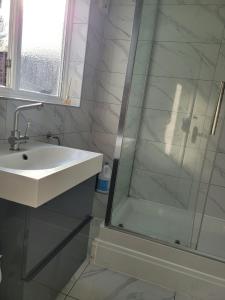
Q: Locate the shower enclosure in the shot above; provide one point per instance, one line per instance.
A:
(168, 182)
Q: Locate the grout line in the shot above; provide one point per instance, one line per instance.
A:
(70, 297)
(87, 262)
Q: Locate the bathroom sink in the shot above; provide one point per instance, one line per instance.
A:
(43, 171)
(42, 158)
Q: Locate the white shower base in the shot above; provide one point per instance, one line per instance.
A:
(171, 224)
(156, 220)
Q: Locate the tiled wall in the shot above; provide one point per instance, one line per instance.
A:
(182, 89)
(77, 47)
(110, 82)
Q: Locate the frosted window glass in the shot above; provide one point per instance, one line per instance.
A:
(4, 36)
(42, 37)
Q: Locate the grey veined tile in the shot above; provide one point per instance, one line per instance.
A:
(218, 176)
(220, 68)
(164, 126)
(109, 87)
(182, 23)
(98, 283)
(178, 95)
(153, 156)
(115, 56)
(184, 60)
(119, 21)
(160, 188)
(215, 202)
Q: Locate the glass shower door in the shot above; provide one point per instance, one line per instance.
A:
(167, 152)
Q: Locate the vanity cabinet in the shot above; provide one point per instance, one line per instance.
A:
(43, 247)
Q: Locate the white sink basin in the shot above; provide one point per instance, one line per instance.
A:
(42, 158)
(41, 172)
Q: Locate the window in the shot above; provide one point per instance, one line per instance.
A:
(33, 48)
(42, 45)
(4, 39)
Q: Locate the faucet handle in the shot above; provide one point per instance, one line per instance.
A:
(50, 136)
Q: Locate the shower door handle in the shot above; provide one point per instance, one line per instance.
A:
(218, 108)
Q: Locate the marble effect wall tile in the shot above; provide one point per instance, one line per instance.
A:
(131, 128)
(215, 202)
(95, 44)
(182, 23)
(81, 140)
(142, 59)
(97, 18)
(119, 21)
(105, 117)
(221, 145)
(164, 126)
(152, 156)
(149, 22)
(179, 95)
(104, 143)
(220, 68)
(109, 87)
(115, 56)
(78, 119)
(218, 175)
(160, 188)
(172, 94)
(181, 162)
(184, 60)
(137, 91)
(89, 83)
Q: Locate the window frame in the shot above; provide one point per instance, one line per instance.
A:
(11, 90)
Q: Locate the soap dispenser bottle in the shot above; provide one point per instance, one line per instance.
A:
(104, 177)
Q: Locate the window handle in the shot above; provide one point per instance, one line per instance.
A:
(218, 108)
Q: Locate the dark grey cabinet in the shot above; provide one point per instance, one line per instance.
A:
(43, 247)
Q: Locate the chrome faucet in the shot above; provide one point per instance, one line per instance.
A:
(16, 138)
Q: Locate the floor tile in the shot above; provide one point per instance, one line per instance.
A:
(64, 297)
(98, 283)
(75, 277)
(60, 297)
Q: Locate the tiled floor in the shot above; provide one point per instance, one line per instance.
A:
(96, 283)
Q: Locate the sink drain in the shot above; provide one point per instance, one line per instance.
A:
(25, 157)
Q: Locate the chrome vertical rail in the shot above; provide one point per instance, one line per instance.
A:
(218, 108)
